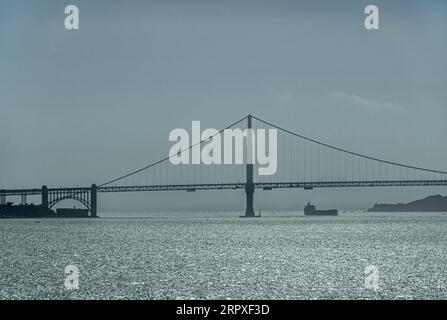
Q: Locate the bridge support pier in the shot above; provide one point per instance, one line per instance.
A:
(2, 199)
(45, 197)
(93, 201)
(249, 209)
(23, 202)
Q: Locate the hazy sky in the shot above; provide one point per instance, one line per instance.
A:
(80, 107)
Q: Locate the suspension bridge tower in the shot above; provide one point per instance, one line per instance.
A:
(249, 186)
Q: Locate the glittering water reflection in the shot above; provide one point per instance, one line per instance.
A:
(188, 256)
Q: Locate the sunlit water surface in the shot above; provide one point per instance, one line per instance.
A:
(282, 255)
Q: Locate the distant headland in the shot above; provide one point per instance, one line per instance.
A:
(435, 203)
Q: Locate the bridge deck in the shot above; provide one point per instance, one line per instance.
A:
(238, 185)
(277, 185)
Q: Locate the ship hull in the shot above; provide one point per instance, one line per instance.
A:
(322, 213)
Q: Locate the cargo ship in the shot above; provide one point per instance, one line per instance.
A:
(310, 210)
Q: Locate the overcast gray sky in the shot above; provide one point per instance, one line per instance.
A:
(80, 107)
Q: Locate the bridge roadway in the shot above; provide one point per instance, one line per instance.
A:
(237, 185)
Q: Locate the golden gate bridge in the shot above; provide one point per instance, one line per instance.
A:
(302, 163)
